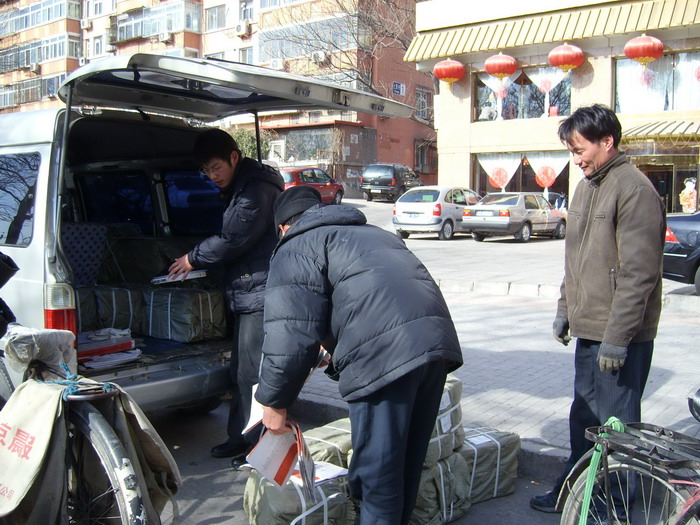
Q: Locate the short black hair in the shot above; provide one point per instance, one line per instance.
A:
(593, 123)
(213, 143)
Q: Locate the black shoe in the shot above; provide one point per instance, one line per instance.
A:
(545, 502)
(238, 462)
(229, 450)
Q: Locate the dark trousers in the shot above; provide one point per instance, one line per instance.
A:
(600, 395)
(246, 353)
(390, 433)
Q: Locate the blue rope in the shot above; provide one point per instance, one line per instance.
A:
(72, 383)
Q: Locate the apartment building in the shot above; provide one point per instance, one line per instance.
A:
(41, 42)
(498, 129)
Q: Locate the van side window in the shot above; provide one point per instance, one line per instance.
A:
(116, 198)
(18, 174)
(194, 206)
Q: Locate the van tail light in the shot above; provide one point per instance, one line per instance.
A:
(362, 180)
(467, 213)
(393, 182)
(59, 307)
(504, 213)
(437, 210)
(670, 237)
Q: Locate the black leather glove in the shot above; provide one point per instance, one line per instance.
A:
(611, 357)
(561, 330)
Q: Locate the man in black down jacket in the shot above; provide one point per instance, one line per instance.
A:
(356, 289)
(248, 236)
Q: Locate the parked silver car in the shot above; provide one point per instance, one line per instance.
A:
(432, 209)
(519, 214)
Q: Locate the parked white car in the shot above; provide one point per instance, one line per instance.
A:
(519, 214)
(435, 209)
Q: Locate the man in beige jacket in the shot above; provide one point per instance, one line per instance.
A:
(611, 294)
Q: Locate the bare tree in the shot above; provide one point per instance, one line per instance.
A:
(18, 175)
(341, 39)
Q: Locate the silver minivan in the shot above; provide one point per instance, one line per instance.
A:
(100, 196)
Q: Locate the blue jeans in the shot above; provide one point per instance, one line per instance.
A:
(390, 433)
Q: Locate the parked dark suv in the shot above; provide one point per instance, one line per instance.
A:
(387, 181)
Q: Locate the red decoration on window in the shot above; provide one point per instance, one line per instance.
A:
(501, 65)
(498, 178)
(449, 70)
(566, 57)
(644, 49)
(545, 176)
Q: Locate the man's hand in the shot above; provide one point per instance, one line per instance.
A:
(275, 420)
(560, 328)
(180, 269)
(611, 357)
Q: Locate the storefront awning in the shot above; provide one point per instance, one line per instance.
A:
(560, 26)
(665, 132)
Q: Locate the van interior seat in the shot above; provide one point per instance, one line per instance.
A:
(84, 245)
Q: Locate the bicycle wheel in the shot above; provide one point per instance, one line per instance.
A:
(102, 485)
(656, 501)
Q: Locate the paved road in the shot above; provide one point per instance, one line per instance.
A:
(516, 377)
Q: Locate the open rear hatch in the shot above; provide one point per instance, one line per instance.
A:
(209, 90)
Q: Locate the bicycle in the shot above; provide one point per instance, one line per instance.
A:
(636, 473)
(100, 481)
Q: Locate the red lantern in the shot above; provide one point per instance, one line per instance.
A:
(566, 57)
(498, 178)
(545, 176)
(449, 70)
(501, 65)
(644, 49)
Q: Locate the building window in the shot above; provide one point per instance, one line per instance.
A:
(245, 55)
(298, 40)
(97, 46)
(667, 84)
(424, 105)
(528, 93)
(246, 10)
(215, 18)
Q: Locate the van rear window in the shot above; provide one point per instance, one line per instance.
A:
(118, 197)
(18, 174)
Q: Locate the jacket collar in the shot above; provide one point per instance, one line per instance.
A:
(598, 175)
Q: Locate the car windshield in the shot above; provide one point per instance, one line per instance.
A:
(420, 196)
(507, 199)
(287, 176)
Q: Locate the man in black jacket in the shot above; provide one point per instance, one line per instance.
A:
(248, 236)
(356, 289)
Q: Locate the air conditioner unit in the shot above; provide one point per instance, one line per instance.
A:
(242, 28)
(277, 63)
(165, 37)
(319, 56)
(82, 61)
(85, 23)
(34, 67)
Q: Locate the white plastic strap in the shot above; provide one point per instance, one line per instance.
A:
(487, 433)
(336, 448)
(114, 306)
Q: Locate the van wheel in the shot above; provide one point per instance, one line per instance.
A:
(6, 387)
(368, 196)
(478, 237)
(524, 233)
(403, 235)
(447, 231)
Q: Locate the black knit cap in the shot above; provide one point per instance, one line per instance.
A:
(293, 201)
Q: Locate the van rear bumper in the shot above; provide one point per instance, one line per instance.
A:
(182, 382)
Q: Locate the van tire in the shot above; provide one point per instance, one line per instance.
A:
(6, 387)
(368, 196)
